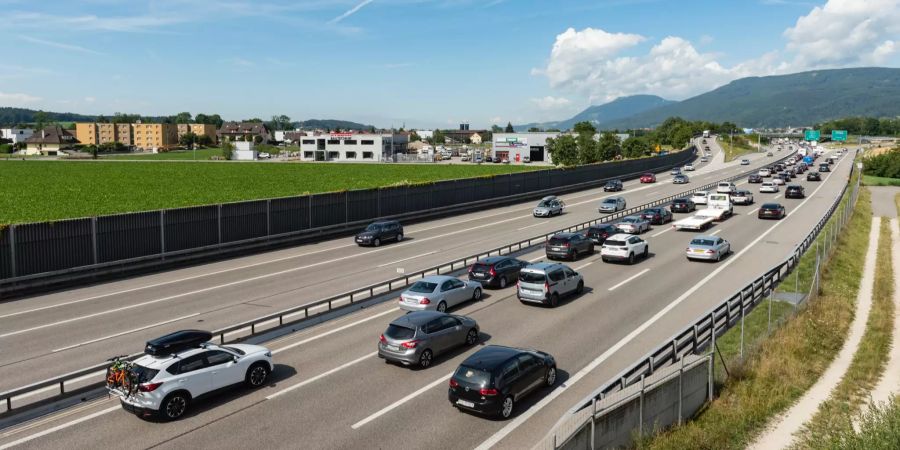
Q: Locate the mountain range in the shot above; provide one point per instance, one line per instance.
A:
(798, 99)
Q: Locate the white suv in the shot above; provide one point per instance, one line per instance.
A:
(184, 369)
(768, 186)
(624, 247)
(765, 173)
(699, 197)
(725, 187)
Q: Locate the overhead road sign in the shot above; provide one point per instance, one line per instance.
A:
(838, 135)
(811, 135)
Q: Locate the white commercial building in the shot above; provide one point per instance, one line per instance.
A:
(244, 151)
(425, 134)
(16, 135)
(516, 146)
(352, 147)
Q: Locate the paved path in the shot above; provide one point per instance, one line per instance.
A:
(890, 379)
(883, 200)
(781, 433)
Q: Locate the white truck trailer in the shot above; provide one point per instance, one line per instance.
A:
(718, 208)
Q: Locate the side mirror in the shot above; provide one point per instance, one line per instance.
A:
(235, 358)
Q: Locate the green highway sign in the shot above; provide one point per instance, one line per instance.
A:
(838, 135)
(811, 135)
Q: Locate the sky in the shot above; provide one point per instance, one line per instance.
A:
(416, 63)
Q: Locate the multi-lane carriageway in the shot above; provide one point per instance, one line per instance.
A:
(330, 390)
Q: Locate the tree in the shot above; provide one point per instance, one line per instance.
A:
(257, 139)
(563, 150)
(281, 122)
(534, 130)
(496, 129)
(204, 140)
(608, 146)
(439, 137)
(255, 120)
(588, 151)
(509, 128)
(227, 149)
(413, 137)
(102, 119)
(183, 117)
(188, 140)
(41, 120)
(635, 147)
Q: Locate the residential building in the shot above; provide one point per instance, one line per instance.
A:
(515, 146)
(50, 141)
(104, 133)
(352, 147)
(462, 134)
(15, 135)
(155, 136)
(246, 131)
(198, 129)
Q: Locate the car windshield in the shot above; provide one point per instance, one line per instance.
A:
(373, 227)
(702, 242)
(399, 332)
(649, 212)
(531, 277)
(699, 194)
(612, 243)
(544, 204)
(472, 376)
(424, 287)
(611, 183)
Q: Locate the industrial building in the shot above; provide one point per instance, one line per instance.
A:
(515, 146)
(352, 146)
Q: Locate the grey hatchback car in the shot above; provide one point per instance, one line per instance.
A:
(418, 337)
(547, 282)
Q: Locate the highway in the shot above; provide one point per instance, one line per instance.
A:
(331, 391)
(68, 330)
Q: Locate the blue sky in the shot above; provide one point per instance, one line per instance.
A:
(419, 62)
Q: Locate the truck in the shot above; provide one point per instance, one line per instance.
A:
(705, 134)
(718, 208)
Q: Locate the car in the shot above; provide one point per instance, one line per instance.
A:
(611, 205)
(725, 187)
(754, 178)
(546, 283)
(745, 162)
(768, 186)
(494, 378)
(568, 246)
(770, 153)
(683, 205)
(438, 292)
(704, 159)
(488, 159)
(498, 160)
(813, 176)
(791, 172)
(699, 197)
(829, 160)
(415, 339)
(526, 159)
(779, 167)
(478, 160)
(264, 155)
(549, 206)
(765, 172)
(613, 186)
(505, 161)
(800, 168)
(378, 232)
(708, 248)
(181, 368)
(648, 178)
(742, 198)
(771, 211)
(688, 167)
(680, 179)
(624, 247)
(598, 233)
(496, 271)
(675, 171)
(778, 180)
(633, 225)
(824, 168)
(657, 216)
(794, 191)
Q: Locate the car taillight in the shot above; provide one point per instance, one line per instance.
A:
(425, 301)
(566, 245)
(546, 286)
(453, 383)
(410, 344)
(710, 252)
(149, 387)
(382, 339)
(493, 272)
(487, 392)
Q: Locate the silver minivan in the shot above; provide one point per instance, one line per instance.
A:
(547, 282)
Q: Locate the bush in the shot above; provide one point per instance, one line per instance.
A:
(6, 148)
(884, 165)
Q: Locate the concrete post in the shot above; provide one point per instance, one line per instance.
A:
(742, 326)
(593, 422)
(712, 355)
(641, 410)
(680, 390)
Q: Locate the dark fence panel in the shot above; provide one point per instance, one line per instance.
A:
(517, 182)
(328, 209)
(501, 186)
(442, 193)
(289, 214)
(193, 227)
(244, 220)
(392, 201)
(362, 205)
(482, 189)
(49, 246)
(419, 198)
(126, 236)
(5, 255)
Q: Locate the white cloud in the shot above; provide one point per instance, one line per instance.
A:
(17, 99)
(60, 45)
(350, 11)
(550, 102)
(90, 99)
(575, 54)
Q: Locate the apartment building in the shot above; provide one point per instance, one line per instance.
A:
(155, 136)
(104, 133)
(199, 129)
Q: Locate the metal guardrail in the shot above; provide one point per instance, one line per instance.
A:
(268, 322)
(703, 333)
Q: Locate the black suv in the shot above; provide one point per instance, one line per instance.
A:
(794, 191)
(496, 271)
(813, 176)
(598, 233)
(495, 377)
(378, 232)
(754, 178)
(657, 216)
(568, 246)
(824, 168)
(683, 205)
(613, 186)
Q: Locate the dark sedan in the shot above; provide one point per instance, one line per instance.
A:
(683, 205)
(568, 246)
(813, 176)
(754, 178)
(613, 186)
(598, 233)
(657, 216)
(794, 191)
(494, 378)
(496, 271)
(771, 211)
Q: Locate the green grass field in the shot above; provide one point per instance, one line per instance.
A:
(179, 155)
(739, 148)
(870, 180)
(53, 190)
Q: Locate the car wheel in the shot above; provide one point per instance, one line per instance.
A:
(399, 237)
(580, 288)
(718, 256)
(551, 377)
(502, 282)
(442, 306)
(477, 294)
(377, 242)
(646, 251)
(631, 258)
(425, 359)
(472, 337)
(174, 406)
(506, 408)
(554, 300)
(257, 375)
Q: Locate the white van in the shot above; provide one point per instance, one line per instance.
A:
(726, 187)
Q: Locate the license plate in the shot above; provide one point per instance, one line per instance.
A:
(465, 403)
(699, 251)
(392, 348)
(479, 274)
(556, 248)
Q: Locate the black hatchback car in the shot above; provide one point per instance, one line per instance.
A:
(813, 176)
(794, 191)
(824, 168)
(378, 232)
(598, 233)
(568, 246)
(683, 205)
(494, 378)
(613, 186)
(754, 178)
(496, 271)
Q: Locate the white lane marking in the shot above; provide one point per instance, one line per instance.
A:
(525, 415)
(584, 265)
(652, 194)
(59, 427)
(715, 232)
(530, 226)
(407, 259)
(753, 212)
(336, 330)
(125, 332)
(400, 402)
(631, 278)
(320, 376)
(661, 232)
(536, 258)
(776, 197)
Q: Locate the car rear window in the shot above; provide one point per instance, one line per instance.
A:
(472, 376)
(613, 243)
(558, 240)
(531, 277)
(479, 267)
(423, 287)
(770, 206)
(701, 242)
(399, 332)
(144, 373)
(609, 200)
